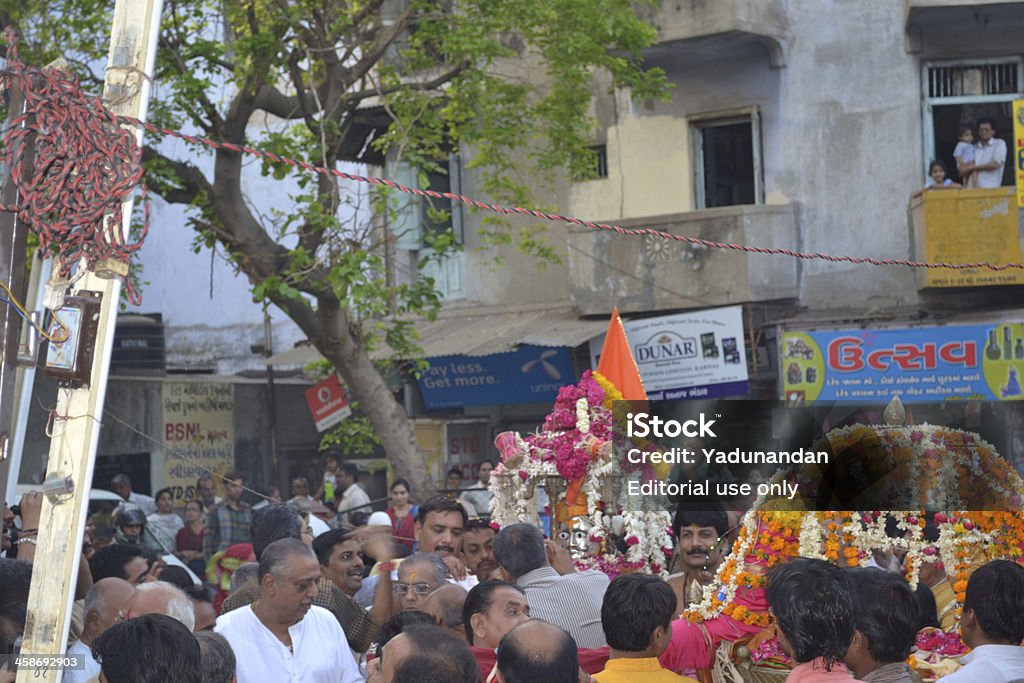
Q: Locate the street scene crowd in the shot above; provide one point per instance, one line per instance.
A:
(430, 594)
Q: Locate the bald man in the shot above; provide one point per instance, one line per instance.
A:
(445, 605)
(103, 604)
(537, 650)
(161, 597)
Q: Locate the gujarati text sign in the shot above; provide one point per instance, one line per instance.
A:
(199, 433)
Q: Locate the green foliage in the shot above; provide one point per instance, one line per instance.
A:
(506, 84)
(355, 436)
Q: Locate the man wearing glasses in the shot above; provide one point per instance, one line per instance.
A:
(419, 575)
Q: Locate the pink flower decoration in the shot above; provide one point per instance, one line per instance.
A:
(632, 540)
(940, 642)
(916, 436)
(523, 475)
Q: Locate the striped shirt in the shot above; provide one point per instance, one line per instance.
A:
(226, 527)
(572, 602)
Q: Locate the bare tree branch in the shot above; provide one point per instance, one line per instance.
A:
(192, 182)
(372, 55)
(432, 84)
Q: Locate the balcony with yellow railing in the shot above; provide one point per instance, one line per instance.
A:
(967, 226)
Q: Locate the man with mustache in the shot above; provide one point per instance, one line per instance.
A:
(699, 537)
(284, 636)
(340, 553)
(440, 524)
(478, 548)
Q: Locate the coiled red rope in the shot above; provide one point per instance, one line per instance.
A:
(84, 166)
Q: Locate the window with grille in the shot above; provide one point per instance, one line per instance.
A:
(996, 78)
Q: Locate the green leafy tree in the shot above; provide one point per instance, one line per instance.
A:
(430, 77)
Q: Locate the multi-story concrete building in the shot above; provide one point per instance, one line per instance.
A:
(802, 125)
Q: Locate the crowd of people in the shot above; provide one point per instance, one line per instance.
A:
(430, 594)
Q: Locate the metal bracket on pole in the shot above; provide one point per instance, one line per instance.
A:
(58, 488)
(28, 353)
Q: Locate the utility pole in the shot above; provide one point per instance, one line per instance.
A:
(12, 273)
(79, 412)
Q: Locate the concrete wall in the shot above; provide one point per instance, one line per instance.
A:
(654, 274)
(852, 147)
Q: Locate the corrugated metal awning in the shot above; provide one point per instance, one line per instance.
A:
(484, 331)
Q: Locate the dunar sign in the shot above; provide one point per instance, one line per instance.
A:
(954, 363)
(529, 375)
(689, 355)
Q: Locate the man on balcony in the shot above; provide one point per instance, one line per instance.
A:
(989, 157)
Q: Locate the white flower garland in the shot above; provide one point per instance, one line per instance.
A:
(812, 537)
(583, 416)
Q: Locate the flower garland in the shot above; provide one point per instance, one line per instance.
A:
(611, 393)
(930, 465)
(926, 461)
(574, 444)
(811, 537)
(575, 427)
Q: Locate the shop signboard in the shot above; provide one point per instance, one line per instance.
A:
(688, 355)
(979, 362)
(199, 432)
(328, 403)
(530, 374)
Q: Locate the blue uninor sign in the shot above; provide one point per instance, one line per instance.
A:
(532, 374)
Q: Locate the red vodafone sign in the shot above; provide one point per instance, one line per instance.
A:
(328, 403)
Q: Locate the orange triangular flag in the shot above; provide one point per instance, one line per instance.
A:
(617, 363)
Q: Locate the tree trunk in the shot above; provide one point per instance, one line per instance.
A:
(329, 326)
(340, 341)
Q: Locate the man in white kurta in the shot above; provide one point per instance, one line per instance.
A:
(284, 637)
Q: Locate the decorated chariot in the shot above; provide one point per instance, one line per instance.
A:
(963, 494)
